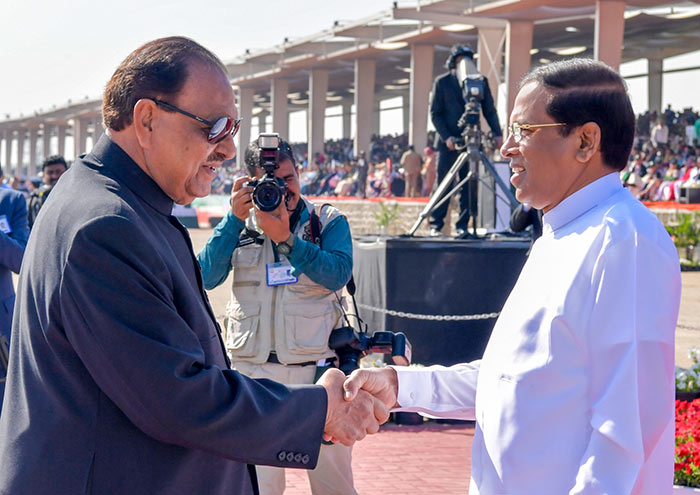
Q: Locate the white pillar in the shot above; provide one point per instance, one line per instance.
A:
(245, 112)
(262, 121)
(33, 134)
(376, 116)
(655, 83)
(279, 90)
(518, 46)
(316, 116)
(46, 141)
(98, 129)
(609, 31)
(406, 113)
(62, 139)
(9, 137)
(491, 44)
(422, 60)
(20, 151)
(79, 136)
(365, 72)
(347, 120)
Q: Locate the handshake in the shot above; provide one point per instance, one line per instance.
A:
(357, 404)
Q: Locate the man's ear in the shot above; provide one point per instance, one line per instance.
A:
(589, 141)
(144, 113)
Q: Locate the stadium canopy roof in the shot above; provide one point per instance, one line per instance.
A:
(653, 29)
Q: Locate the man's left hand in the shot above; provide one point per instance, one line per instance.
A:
(275, 223)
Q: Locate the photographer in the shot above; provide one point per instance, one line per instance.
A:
(446, 107)
(287, 266)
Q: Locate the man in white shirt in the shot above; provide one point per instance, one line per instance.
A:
(659, 134)
(575, 391)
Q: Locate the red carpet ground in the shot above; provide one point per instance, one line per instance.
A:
(430, 459)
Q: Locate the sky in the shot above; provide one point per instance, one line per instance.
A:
(55, 51)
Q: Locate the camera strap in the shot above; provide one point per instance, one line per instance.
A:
(315, 227)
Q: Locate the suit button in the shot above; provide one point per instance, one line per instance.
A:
(282, 455)
(305, 459)
(297, 458)
(290, 456)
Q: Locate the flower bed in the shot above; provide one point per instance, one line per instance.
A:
(687, 459)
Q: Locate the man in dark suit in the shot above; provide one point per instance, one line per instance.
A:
(446, 107)
(117, 368)
(14, 233)
(52, 169)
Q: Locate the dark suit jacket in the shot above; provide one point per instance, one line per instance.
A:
(118, 381)
(447, 106)
(14, 208)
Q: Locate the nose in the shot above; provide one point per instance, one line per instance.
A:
(227, 147)
(509, 146)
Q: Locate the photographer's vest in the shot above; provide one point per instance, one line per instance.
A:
(293, 320)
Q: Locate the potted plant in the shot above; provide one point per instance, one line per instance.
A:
(688, 380)
(385, 216)
(686, 234)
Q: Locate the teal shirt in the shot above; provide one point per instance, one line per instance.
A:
(329, 265)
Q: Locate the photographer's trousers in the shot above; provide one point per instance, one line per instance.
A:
(333, 473)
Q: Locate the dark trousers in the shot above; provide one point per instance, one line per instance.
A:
(467, 201)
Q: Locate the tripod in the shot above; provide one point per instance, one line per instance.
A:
(471, 155)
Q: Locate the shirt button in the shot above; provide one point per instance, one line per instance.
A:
(305, 459)
(297, 458)
(282, 455)
(290, 456)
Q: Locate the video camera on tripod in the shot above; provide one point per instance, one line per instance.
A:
(473, 86)
(476, 94)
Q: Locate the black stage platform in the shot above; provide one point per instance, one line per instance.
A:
(437, 277)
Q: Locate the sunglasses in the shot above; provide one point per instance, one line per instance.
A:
(517, 129)
(218, 130)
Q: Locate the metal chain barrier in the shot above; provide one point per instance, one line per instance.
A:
(416, 316)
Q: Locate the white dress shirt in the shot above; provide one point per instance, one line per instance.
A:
(575, 391)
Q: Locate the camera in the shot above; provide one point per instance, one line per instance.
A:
(269, 191)
(351, 345)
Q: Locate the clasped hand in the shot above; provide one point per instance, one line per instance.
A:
(359, 404)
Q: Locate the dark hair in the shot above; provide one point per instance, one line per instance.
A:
(155, 70)
(584, 90)
(54, 160)
(458, 51)
(252, 156)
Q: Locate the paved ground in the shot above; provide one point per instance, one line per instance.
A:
(435, 458)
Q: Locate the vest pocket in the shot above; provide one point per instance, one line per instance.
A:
(242, 328)
(247, 256)
(309, 327)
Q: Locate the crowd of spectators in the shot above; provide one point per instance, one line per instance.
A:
(338, 172)
(666, 155)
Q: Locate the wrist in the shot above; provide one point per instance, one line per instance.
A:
(288, 239)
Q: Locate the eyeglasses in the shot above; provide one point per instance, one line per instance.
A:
(218, 130)
(517, 129)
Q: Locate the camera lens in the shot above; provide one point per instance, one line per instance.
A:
(267, 195)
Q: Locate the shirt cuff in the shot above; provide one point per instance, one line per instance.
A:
(414, 387)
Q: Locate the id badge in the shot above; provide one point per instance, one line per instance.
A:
(5, 224)
(280, 273)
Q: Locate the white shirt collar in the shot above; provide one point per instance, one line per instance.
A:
(581, 201)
